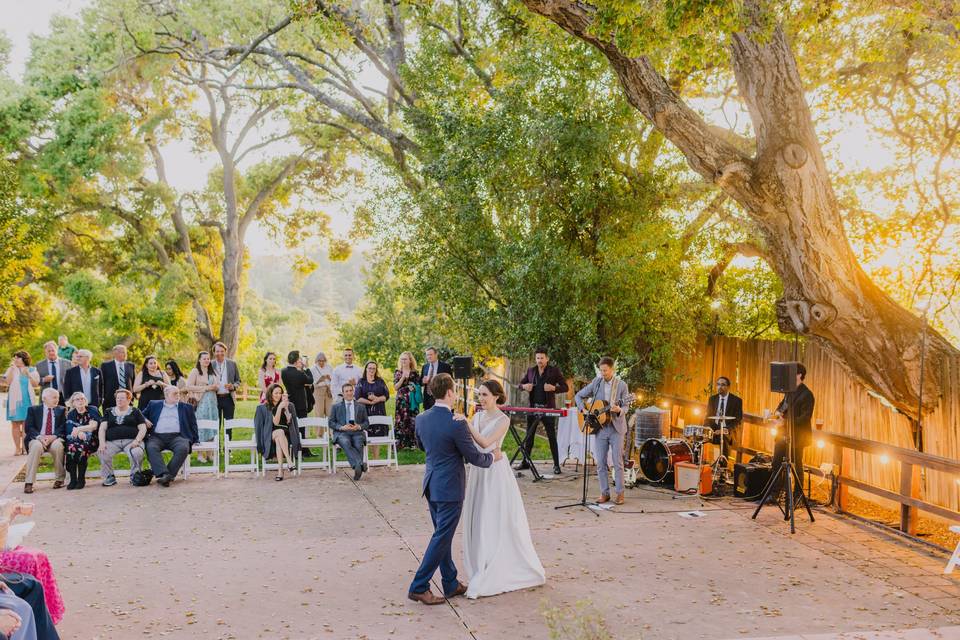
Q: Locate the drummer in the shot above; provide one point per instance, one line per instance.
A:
(729, 407)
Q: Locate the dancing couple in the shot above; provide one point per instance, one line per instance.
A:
(497, 548)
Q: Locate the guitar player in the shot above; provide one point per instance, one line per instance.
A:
(612, 389)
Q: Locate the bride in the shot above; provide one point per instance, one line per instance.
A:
(497, 548)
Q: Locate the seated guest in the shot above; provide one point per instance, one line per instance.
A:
(16, 616)
(44, 431)
(173, 428)
(83, 378)
(724, 403)
(30, 590)
(122, 430)
(275, 429)
(83, 421)
(347, 422)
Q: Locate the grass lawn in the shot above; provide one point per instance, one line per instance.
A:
(246, 409)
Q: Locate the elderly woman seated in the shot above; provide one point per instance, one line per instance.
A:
(275, 429)
(83, 421)
(122, 430)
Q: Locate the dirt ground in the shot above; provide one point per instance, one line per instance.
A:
(321, 557)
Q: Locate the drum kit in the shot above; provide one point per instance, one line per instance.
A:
(660, 456)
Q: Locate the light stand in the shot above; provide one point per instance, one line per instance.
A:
(589, 423)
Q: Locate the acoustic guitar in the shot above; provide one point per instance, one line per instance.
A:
(600, 409)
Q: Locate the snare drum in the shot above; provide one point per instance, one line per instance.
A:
(659, 455)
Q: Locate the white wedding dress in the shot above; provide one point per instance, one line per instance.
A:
(497, 549)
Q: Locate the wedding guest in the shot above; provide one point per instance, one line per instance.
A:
(344, 373)
(122, 430)
(276, 430)
(295, 381)
(348, 423)
(372, 391)
(30, 590)
(202, 385)
(268, 375)
(173, 427)
(74, 360)
(44, 431)
(431, 368)
(16, 617)
(84, 378)
(175, 375)
(322, 374)
(65, 350)
(52, 369)
(20, 379)
(406, 383)
(116, 374)
(83, 422)
(228, 376)
(150, 382)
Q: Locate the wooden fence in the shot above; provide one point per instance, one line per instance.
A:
(843, 405)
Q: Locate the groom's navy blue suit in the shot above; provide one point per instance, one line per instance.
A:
(448, 444)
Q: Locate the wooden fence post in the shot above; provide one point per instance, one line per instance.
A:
(843, 462)
(909, 488)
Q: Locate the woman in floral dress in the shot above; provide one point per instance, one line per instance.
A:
(406, 382)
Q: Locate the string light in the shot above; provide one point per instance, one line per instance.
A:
(884, 459)
(773, 431)
(820, 444)
(696, 411)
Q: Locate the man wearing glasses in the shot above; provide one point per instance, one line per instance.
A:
(730, 407)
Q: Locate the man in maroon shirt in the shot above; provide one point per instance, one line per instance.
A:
(543, 381)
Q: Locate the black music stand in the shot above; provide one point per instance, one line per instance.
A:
(590, 423)
(523, 453)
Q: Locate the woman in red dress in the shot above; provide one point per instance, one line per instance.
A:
(268, 375)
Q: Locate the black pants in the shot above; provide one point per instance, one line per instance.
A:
(550, 426)
(157, 443)
(780, 454)
(225, 408)
(29, 589)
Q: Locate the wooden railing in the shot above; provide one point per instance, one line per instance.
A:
(911, 465)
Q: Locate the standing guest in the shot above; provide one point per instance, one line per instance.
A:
(116, 374)
(84, 378)
(268, 375)
(52, 369)
(431, 368)
(228, 376)
(543, 381)
(44, 431)
(344, 374)
(175, 375)
(65, 350)
(83, 422)
(122, 430)
(275, 429)
(609, 387)
(348, 422)
(322, 374)
(723, 403)
(20, 379)
(372, 391)
(74, 360)
(295, 381)
(406, 384)
(150, 382)
(173, 428)
(203, 385)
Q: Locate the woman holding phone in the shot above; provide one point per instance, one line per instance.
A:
(275, 429)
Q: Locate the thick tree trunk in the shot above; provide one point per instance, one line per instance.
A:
(787, 193)
(232, 299)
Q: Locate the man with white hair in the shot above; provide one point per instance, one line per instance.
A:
(52, 369)
(173, 427)
(84, 378)
(44, 431)
(116, 374)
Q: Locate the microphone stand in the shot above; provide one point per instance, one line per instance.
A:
(589, 423)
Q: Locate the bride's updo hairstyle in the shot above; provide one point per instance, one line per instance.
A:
(496, 389)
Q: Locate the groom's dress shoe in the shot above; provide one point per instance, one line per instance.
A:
(603, 498)
(459, 591)
(426, 597)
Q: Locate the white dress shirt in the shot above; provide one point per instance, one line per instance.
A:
(341, 375)
(169, 420)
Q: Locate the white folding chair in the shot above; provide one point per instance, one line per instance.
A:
(955, 558)
(206, 447)
(320, 442)
(230, 445)
(389, 441)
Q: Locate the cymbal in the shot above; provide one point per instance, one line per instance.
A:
(719, 418)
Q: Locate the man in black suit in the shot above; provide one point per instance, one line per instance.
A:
(83, 378)
(543, 381)
(295, 380)
(796, 406)
(724, 403)
(44, 431)
(431, 368)
(116, 374)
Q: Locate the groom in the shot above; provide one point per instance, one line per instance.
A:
(447, 443)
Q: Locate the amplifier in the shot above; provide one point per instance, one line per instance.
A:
(686, 475)
(749, 480)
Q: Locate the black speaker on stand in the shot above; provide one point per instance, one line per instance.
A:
(462, 370)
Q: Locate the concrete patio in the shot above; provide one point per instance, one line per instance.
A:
(321, 557)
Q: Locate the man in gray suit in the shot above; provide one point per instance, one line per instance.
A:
(348, 421)
(52, 369)
(609, 387)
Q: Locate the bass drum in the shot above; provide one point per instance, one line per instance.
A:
(658, 456)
